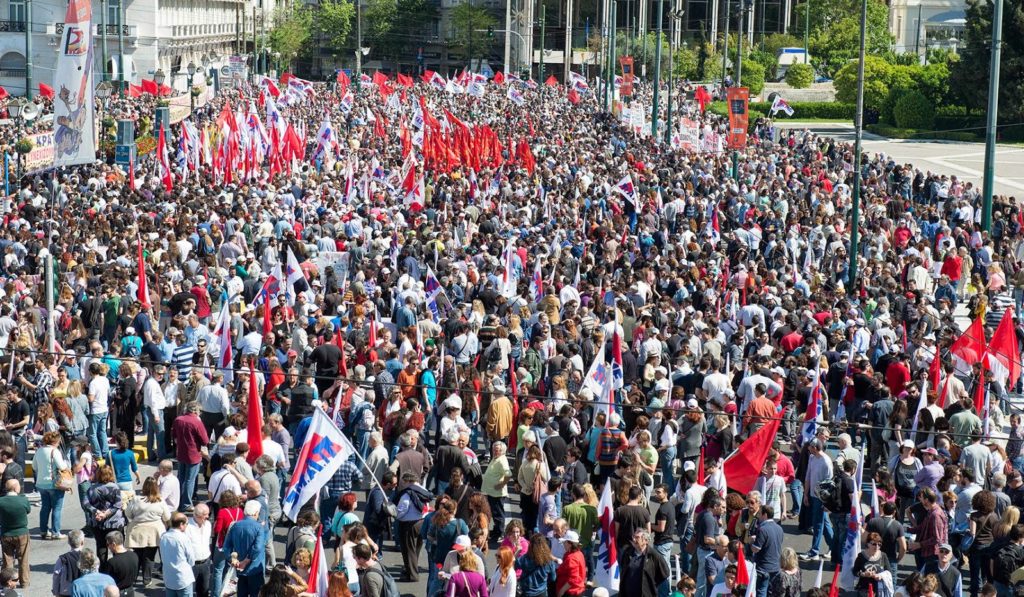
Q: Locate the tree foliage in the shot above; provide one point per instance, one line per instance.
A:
(914, 111)
(395, 25)
(776, 41)
(835, 31)
(753, 76)
(467, 22)
(293, 26)
(800, 76)
(969, 76)
(333, 20)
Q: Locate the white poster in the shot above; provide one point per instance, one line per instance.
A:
(74, 118)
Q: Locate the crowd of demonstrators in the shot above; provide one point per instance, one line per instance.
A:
(721, 294)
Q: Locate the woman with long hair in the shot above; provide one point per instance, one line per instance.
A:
(572, 572)
(46, 464)
(337, 585)
(503, 579)
(533, 478)
(469, 581)
(125, 464)
(441, 530)
(147, 516)
(283, 582)
(787, 583)
(229, 511)
(538, 567)
(1011, 516)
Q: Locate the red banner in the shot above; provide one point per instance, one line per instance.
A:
(626, 89)
(738, 101)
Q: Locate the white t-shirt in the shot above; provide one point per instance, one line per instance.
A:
(99, 390)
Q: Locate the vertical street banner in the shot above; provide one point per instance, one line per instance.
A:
(74, 121)
(626, 89)
(738, 100)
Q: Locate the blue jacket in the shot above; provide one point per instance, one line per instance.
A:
(535, 579)
(246, 539)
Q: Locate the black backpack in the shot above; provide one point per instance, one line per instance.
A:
(829, 493)
(390, 588)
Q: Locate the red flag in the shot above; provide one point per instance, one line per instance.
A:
(3, 93)
(551, 81)
(318, 567)
(164, 160)
(871, 589)
(164, 90)
(131, 172)
(404, 80)
(979, 392)
(499, 78)
(744, 465)
(134, 90)
(343, 79)
(742, 574)
(1003, 352)
(702, 97)
(373, 334)
(285, 77)
(267, 326)
(701, 474)
(970, 346)
(339, 341)
(573, 97)
(934, 375)
(255, 419)
(143, 292)
(149, 86)
(833, 590)
(46, 91)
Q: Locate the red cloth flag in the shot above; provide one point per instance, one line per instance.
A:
(742, 574)
(318, 570)
(339, 340)
(4, 94)
(149, 86)
(1003, 352)
(343, 79)
(934, 376)
(551, 81)
(373, 334)
(970, 346)
(744, 465)
(143, 292)
(499, 78)
(573, 97)
(134, 90)
(46, 91)
(164, 90)
(164, 159)
(701, 474)
(979, 393)
(833, 590)
(285, 77)
(702, 97)
(267, 325)
(131, 172)
(255, 418)
(404, 80)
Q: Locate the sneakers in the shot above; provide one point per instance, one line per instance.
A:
(58, 537)
(808, 557)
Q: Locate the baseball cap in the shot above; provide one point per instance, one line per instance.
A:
(945, 547)
(461, 542)
(931, 451)
(907, 443)
(689, 466)
(692, 403)
(571, 536)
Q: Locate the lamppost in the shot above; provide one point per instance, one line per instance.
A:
(676, 16)
(859, 132)
(159, 77)
(992, 115)
(745, 6)
(277, 63)
(191, 73)
(102, 93)
(657, 73)
(725, 45)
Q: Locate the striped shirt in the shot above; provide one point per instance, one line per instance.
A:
(183, 356)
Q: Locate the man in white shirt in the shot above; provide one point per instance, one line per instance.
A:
(214, 405)
(226, 479)
(170, 487)
(153, 404)
(199, 531)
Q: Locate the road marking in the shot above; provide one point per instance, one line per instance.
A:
(972, 172)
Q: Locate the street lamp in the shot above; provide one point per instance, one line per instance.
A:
(191, 69)
(676, 16)
(159, 77)
(745, 6)
(103, 92)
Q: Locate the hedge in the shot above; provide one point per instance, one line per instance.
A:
(898, 133)
(800, 76)
(801, 110)
(914, 111)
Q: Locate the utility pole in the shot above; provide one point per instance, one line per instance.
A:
(657, 74)
(725, 47)
(508, 36)
(359, 38)
(917, 34)
(807, 29)
(238, 30)
(992, 116)
(472, 26)
(120, 46)
(255, 64)
(859, 125)
(28, 49)
(739, 44)
(543, 22)
(611, 56)
(103, 27)
(567, 55)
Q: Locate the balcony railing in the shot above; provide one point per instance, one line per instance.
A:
(18, 73)
(99, 29)
(12, 26)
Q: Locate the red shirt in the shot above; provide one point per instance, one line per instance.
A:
(189, 437)
(785, 468)
(952, 267)
(572, 574)
(791, 341)
(896, 377)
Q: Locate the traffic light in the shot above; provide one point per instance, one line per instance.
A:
(490, 31)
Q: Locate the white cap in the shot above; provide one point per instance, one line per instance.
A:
(571, 536)
(689, 466)
(230, 431)
(252, 508)
(461, 542)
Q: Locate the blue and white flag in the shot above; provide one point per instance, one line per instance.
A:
(322, 454)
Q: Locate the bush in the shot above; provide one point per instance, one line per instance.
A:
(801, 110)
(879, 78)
(768, 61)
(900, 133)
(753, 77)
(800, 76)
(914, 111)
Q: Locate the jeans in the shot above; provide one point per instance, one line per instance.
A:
(667, 462)
(186, 592)
(50, 509)
(820, 525)
(588, 557)
(188, 474)
(702, 582)
(796, 491)
(665, 551)
(328, 506)
(763, 580)
(978, 562)
(154, 436)
(434, 584)
(22, 442)
(839, 532)
(98, 435)
(220, 564)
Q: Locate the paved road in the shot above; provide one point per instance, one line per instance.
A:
(44, 553)
(965, 160)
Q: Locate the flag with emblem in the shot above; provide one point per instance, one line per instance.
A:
(322, 454)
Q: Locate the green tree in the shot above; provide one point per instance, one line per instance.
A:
(776, 41)
(333, 21)
(753, 76)
(378, 19)
(467, 21)
(800, 76)
(835, 31)
(879, 78)
(914, 111)
(293, 26)
(969, 76)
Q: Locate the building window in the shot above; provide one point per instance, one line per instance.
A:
(113, 11)
(697, 13)
(17, 11)
(12, 64)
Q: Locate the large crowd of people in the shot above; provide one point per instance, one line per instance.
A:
(451, 338)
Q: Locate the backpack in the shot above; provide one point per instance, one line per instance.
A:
(67, 573)
(829, 493)
(390, 589)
